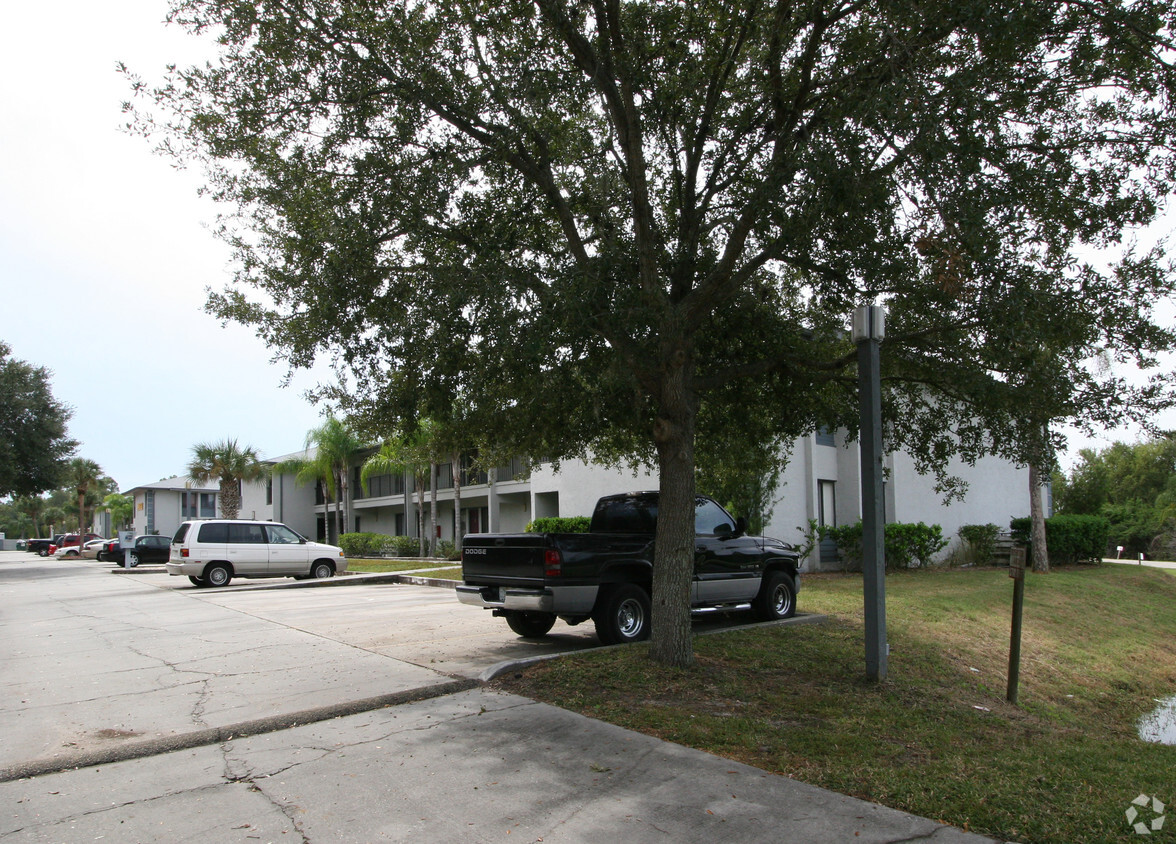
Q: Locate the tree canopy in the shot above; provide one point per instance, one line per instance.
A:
(33, 437)
(638, 227)
(1133, 485)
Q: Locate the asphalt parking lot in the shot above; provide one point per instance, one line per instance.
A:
(135, 708)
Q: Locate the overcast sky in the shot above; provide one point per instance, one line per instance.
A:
(105, 253)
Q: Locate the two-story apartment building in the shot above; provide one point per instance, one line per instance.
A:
(822, 482)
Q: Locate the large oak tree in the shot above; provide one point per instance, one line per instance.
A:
(34, 439)
(639, 227)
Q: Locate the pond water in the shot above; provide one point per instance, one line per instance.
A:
(1160, 725)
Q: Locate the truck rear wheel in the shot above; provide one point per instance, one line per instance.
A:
(530, 625)
(623, 615)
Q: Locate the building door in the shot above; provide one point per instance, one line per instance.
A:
(827, 517)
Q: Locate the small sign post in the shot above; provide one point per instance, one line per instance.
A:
(1017, 572)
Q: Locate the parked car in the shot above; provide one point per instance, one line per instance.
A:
(69, 545)
(39, 547)
(148, 548)
(213, 552)
(91, 548)
(110, 551)
(53, 544)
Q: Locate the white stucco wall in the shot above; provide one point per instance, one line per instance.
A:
(998, 491)
(579, 485)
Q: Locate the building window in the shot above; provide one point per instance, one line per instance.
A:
(269, 490)
(149, 499)
(197, 505)
(825, 437)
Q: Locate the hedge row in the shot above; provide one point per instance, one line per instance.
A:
(559, 524)
(378, 545)
(906, 545)
(1070, 539)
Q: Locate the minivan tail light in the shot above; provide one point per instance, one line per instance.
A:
(183, 552)
(552, 563)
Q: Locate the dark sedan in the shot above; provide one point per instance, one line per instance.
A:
(147, 549)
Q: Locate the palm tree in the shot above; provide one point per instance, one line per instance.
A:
(398, 456)
(331, 449)
(32, 506)
(229, 465)
(121, 507)
(336, 447)
(80, 476)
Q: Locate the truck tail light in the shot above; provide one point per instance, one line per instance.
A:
(552, 563)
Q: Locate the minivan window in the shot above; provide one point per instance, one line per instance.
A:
(282, 535)
(246, 535)
(218, 533)
(181, 533)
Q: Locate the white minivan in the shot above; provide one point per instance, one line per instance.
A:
(213, 552)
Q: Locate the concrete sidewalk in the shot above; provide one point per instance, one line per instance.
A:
(474, 766)
(134, 713)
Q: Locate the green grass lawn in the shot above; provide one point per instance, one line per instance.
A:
(397, 565)
(937, 738)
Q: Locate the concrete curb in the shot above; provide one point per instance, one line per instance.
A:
(218, 735)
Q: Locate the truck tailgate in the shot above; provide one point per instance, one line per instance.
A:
(503, 558)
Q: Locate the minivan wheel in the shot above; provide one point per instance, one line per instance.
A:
(217, 575)
(321, 571)
(197, 582)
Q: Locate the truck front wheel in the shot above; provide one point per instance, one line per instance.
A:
(530, 625)
(777, 597)
(623, 615)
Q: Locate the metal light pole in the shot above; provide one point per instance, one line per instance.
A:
(869, 328)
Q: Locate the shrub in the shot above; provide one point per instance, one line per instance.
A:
(560, 524)
(849, 543)
(982, 541)
(403, 546)
(446, 550)
(905, 545)
(362, 544)
(1070, 539)
(912, 545)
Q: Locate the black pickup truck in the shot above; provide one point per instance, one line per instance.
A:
(39, 546)
(531, 579)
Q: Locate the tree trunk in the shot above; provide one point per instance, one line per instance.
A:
(345, 494)
(673, 561)
(1037, 517)
(230, 494)
(419, 480)
(458, 524)
(433, 508)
